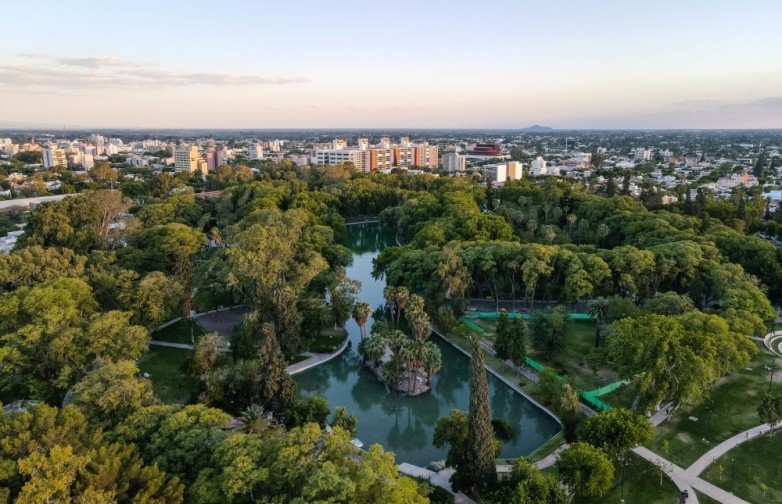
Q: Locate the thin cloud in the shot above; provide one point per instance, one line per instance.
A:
(90, 73)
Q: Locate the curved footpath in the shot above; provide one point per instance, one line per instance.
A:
(316, 359)
(721, 449)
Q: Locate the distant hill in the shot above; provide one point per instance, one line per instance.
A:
(537, 129)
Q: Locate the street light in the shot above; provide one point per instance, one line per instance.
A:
(708, 422)
(771, 373)
(624, 467)
(733, 473)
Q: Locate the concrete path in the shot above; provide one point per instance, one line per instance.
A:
(183, 346)
(721, 449)
(544, 463)
(684, 479)
(663, 414)
(315, 359)
(441, 479)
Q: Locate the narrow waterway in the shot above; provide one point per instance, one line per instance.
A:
(402, 424)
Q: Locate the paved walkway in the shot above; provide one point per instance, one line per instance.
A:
(544, 463)
(315, 359)
(171, 345)
(721, 449)
(441, 479)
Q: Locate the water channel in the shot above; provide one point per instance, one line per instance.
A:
(402, 424)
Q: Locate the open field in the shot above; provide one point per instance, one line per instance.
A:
(734, 400)
(757, 461)
(164, 367)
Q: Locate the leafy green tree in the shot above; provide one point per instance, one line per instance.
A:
(569, 408)
(55, 455)
(344, 421)
(586, 470)
(35, 264)
(509, 344)
(342, 297)
(179, 439)
(547, 330)
(616, 431)
(598, 310)
(111, 392)
(527, 485)
(770, 409)
(50, 335)
(309, 410)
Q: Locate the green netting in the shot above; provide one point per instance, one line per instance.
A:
(469, 323)
(607, 389)
(594, 401)
(537, 366)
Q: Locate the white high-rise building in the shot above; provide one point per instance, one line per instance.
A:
(497, 173)
(515, 170)
(642, 154)
(453, 162)
(53, 156)
(186, 158)
(255, 152)
(538, 166)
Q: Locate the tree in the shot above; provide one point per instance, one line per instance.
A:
(480, 451)
(770, 410)
(616, 431)
(569, 408)
(373, 348)
(344, 421)
(453, 275)
(56, 455)
(509, 342)
(111, 392)
(277, 388)
(547, 330)
(401, 295)
(527, 485)
(598, 310)
(343, 294)
(361, 313)
(586, 470)
(103, 173)
(205, 355)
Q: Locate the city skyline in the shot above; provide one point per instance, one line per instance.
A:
(356, 65)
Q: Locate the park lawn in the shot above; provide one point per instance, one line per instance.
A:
(296, 359)
(205, 301)
(179, 332)
(735, 400)
(643, 485)
(164, 365)
(328, 341)
(757, 461)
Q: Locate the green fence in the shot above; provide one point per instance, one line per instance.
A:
(590, 396)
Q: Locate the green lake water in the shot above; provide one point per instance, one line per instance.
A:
(402, 424)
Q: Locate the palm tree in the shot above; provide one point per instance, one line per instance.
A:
(361, 313)
(373, 348)
(407, 355)
(401, 295)
(598, 310)
(433, 361)
(419, 323)
(253, 418)
(390, 294)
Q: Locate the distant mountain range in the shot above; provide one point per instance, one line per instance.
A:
(537, 129)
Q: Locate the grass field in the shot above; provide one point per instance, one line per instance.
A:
(734, 400)
(642, 485)
(757, 461)
(179, 332)
(204, 300)
(164, 367)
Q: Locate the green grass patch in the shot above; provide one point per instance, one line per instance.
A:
(547, 448)
(164, 365)
(180, 332)
(643, 485)
(735, 400)
(204, 300)
(328, 341)
(757, 462)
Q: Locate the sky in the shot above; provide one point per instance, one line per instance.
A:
(401, 64)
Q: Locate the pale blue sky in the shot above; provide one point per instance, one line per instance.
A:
(454, 64)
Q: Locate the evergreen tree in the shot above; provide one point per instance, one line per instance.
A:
(502, 336)
(511, 346)
(481, 468)
(277, 387)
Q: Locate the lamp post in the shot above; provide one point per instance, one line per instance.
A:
(771, 373)
(624, 468)
(733, 473)
(708, 422)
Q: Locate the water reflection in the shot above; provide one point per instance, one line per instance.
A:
(402, 424)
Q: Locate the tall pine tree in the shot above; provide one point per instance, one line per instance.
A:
(277, 388)
(481, 468)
